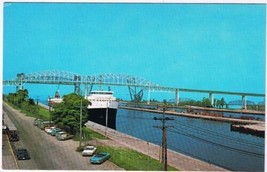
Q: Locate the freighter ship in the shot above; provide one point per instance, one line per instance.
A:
(103, 108)
(56, 99)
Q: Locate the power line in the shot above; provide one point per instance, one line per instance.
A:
(221, 135)
(210, 133)
(218, 144)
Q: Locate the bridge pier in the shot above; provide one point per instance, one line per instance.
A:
(177, 96)
(77, 84)
(148, 96)
(19, 87)
(135, 96)
(244, 102)
(20, 77)
(211, 98)
(87, 90)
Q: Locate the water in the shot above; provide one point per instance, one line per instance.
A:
(210, 141)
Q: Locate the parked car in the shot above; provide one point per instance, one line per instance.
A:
(63, 136)
(48, 130)
(99, 158)
(44, 124)
(89, 150)
(13, 137)
(23, 154)
(55, 131)
(59, 133)
(12, 133)
(37, 121)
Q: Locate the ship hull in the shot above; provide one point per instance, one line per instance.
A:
(98, 115)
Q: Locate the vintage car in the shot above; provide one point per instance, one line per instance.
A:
(89, 150)
(23, 154)
(99, 158)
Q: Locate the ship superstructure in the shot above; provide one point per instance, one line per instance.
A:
(103, 108)
(56, 99)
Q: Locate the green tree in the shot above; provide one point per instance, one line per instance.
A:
(206, 102)
(67, 113)
(218, 103)
(222, 102)
(18, 98)
(164, 101)
(22, 96)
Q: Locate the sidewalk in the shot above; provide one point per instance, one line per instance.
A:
(177, 160)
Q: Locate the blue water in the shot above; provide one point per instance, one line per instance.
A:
(210, 141)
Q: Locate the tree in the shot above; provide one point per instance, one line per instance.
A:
(164, 101)
(218, 103)
(22, 96)
(67, 113)
(206, 102)
(18, 98)
(222, 102)
(31, 102)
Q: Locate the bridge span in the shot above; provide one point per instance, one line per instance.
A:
(132, 82)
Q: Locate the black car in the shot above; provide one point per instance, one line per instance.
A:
(22, 154)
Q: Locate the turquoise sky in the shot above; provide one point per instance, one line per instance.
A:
(199, 46)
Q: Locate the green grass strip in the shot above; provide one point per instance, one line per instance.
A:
(132, 160)
(88, 134)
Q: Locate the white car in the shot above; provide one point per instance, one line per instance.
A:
(49, 130)
(89, 150)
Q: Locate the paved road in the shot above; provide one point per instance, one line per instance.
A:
(47, 153)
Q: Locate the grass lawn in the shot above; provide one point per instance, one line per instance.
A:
(132, 160)
(42, 114)
(89, 134)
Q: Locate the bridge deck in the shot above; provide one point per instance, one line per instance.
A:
(69, 78)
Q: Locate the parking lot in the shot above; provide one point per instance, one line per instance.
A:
(47, 153)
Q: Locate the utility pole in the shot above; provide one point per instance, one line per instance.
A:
(164, 159)
(106, 119)
(37, 100)
(37, 103)
(81, 111)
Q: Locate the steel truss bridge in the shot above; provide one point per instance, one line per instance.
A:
(135, 84)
